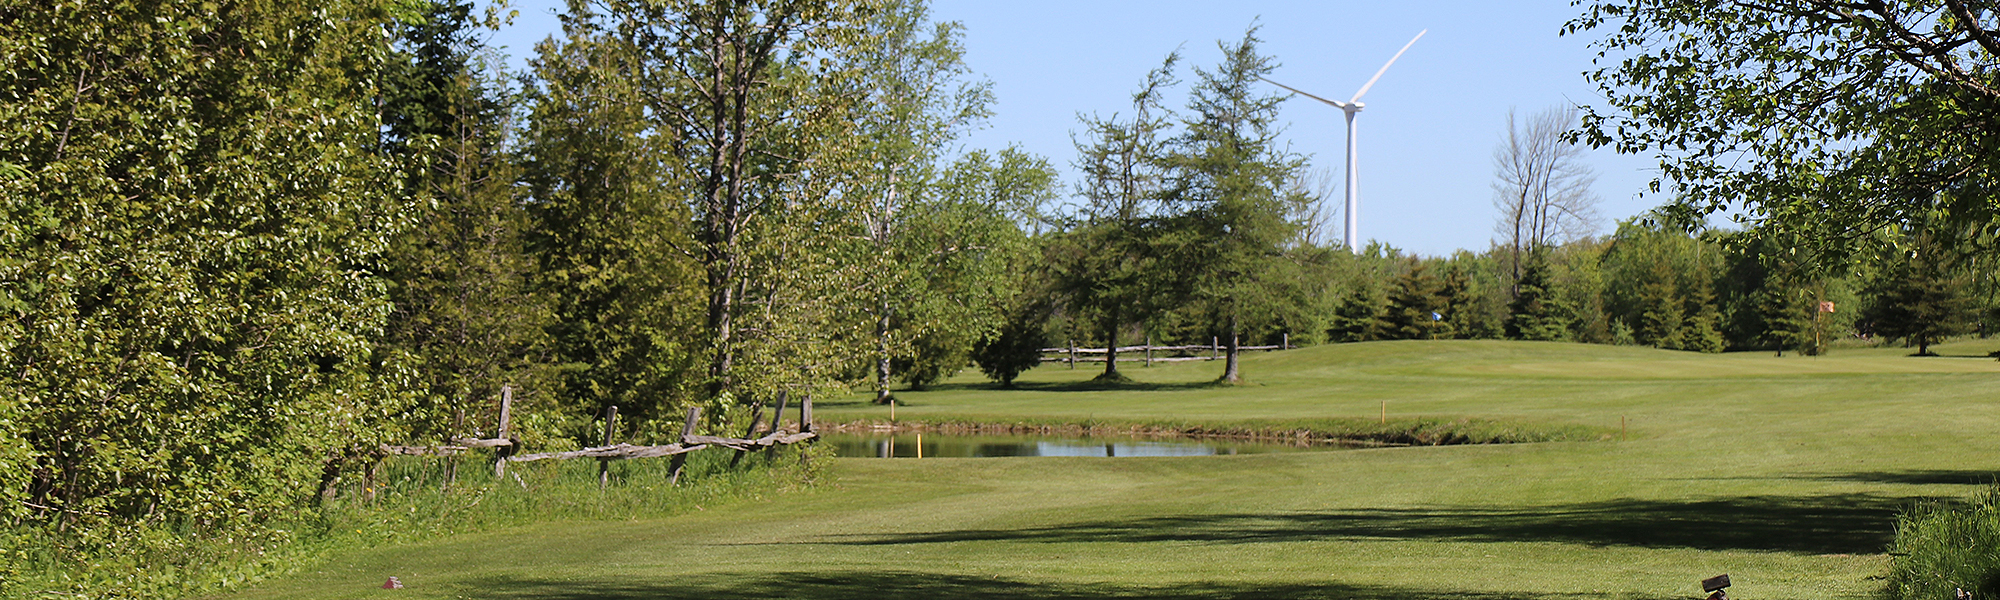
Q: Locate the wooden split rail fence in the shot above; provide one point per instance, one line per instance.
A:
(689, 442)
(1071, 354)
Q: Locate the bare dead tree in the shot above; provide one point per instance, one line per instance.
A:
(1309, 206)
(1541, 185)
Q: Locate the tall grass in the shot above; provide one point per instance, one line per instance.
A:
(414, 498)
(1945, 546)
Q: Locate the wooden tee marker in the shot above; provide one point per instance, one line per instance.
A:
(1716, 584)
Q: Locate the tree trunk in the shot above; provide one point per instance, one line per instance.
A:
(882, 351)
(721, 319)
(1230, 374)
(1111, 323)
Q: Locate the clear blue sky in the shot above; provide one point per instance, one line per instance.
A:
(1426, 138)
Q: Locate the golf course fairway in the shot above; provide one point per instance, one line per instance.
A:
(1785, 473)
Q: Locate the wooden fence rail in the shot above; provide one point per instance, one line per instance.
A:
(689, 442)
(1073, 354)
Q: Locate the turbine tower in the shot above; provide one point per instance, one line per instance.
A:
(1351, 107)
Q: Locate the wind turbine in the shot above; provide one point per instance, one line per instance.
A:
(1351, 107)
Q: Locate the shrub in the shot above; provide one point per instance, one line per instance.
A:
(1944, 546)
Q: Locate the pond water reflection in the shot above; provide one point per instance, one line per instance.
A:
(938, 445)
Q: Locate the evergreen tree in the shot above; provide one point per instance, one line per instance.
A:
(1017, 345)
(1920, 296)
(1702, 331)
(1787, 320)
(458, 273)
(1457, 301)
(1415, 307)
(606, 232)
(1117, 275)
(1358, 316)
(1231, 174)
(1538, 312)
(1662, 310)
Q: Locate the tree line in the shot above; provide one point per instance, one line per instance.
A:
(246, 243)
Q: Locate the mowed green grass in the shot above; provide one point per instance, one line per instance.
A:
(1785, 473)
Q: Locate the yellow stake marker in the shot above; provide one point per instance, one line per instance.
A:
(1385, 412)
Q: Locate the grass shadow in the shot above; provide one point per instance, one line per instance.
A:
(916, 584)
(1099, 386)
(1919, 477)
(1092, 385)
(1832, 524)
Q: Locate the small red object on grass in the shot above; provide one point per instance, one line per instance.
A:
(392, 584)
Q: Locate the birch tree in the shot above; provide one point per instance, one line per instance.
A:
(752, 104)
(920, 98)
(1541, 186)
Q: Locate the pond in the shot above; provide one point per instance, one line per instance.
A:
(940, 445)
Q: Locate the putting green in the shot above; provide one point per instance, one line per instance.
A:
(1785, 473)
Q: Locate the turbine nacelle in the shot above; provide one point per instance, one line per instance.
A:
(1352, 107)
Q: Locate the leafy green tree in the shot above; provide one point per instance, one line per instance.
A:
(1231, 175)
(920, 99)
(189, 258)
(968, 257)
(1822, 119)
(751, 107)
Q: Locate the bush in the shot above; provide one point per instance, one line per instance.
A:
(416, 499)
(1944, 546)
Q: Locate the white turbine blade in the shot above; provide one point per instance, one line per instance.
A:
(1336, 104)
(1385, 67)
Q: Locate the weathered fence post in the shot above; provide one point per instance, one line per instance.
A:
(1149, 349)
(806, 422)
(500, 454)
(368, 479)
(1288, 340)
(680, 460)
(806, 415)
(604, 464)
(451, 462)
(1214, 346)
(1072, 354)
(777, 423)
(756, 414)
